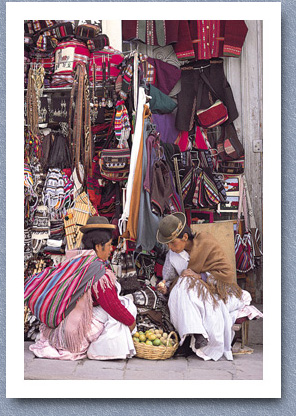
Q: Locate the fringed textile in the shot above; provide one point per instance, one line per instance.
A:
(207, 255)
(71, 332)
(53, 293)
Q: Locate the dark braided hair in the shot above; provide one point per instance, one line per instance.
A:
(94, 237)
(186, 230)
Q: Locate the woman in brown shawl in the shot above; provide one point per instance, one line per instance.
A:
(204, 298)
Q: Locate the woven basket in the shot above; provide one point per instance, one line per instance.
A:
(162, 352)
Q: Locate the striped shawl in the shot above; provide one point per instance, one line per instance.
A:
(53, 293)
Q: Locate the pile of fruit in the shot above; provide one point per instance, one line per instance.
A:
(154, 337)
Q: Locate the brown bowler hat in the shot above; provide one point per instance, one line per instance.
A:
(96, 223)
(170, 227)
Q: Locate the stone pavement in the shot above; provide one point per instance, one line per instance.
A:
(243, 367)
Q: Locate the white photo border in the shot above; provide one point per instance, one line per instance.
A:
(16, 386)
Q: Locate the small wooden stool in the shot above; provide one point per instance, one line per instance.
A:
(242, 325)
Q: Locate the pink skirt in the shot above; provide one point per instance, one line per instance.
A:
(43, 349)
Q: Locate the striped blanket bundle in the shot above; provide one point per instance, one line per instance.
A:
(53, 293)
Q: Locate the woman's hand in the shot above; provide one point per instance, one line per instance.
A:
(190, 273)
(132, 326)
(161, 287)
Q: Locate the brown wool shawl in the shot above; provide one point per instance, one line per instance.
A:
(206, 255)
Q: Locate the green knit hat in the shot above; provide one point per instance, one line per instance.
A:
(170, 227)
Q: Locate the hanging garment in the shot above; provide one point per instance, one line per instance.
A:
(153, 151)
(104, 65)
(137, 137)
(205, 39)
(151, 32)
(59, 155)
(41, 223)
(160, 103)
(38, 178)
(165, 126)
(191, 82)
(122, 126)
(57, 193)
(132, 223)
(166, 75)
(165, 54)
(161, 187)
(28, 249)
(30, 195)
(148, 221)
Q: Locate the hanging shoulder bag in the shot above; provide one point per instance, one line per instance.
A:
(243, 244)
(114, 164)
(216, 114)
(229, 147)
(256, 236)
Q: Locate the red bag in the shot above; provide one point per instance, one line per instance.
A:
(216, 114)
(244, 252)
(213, 116)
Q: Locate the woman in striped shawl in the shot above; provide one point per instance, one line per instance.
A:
(77, 302)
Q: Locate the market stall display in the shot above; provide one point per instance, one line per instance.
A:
(130, 136)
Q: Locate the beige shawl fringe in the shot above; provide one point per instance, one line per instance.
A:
(214, 289)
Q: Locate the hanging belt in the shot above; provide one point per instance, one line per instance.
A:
(80, 138)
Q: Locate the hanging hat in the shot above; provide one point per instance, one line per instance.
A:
(95, 223)
(170, 227)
